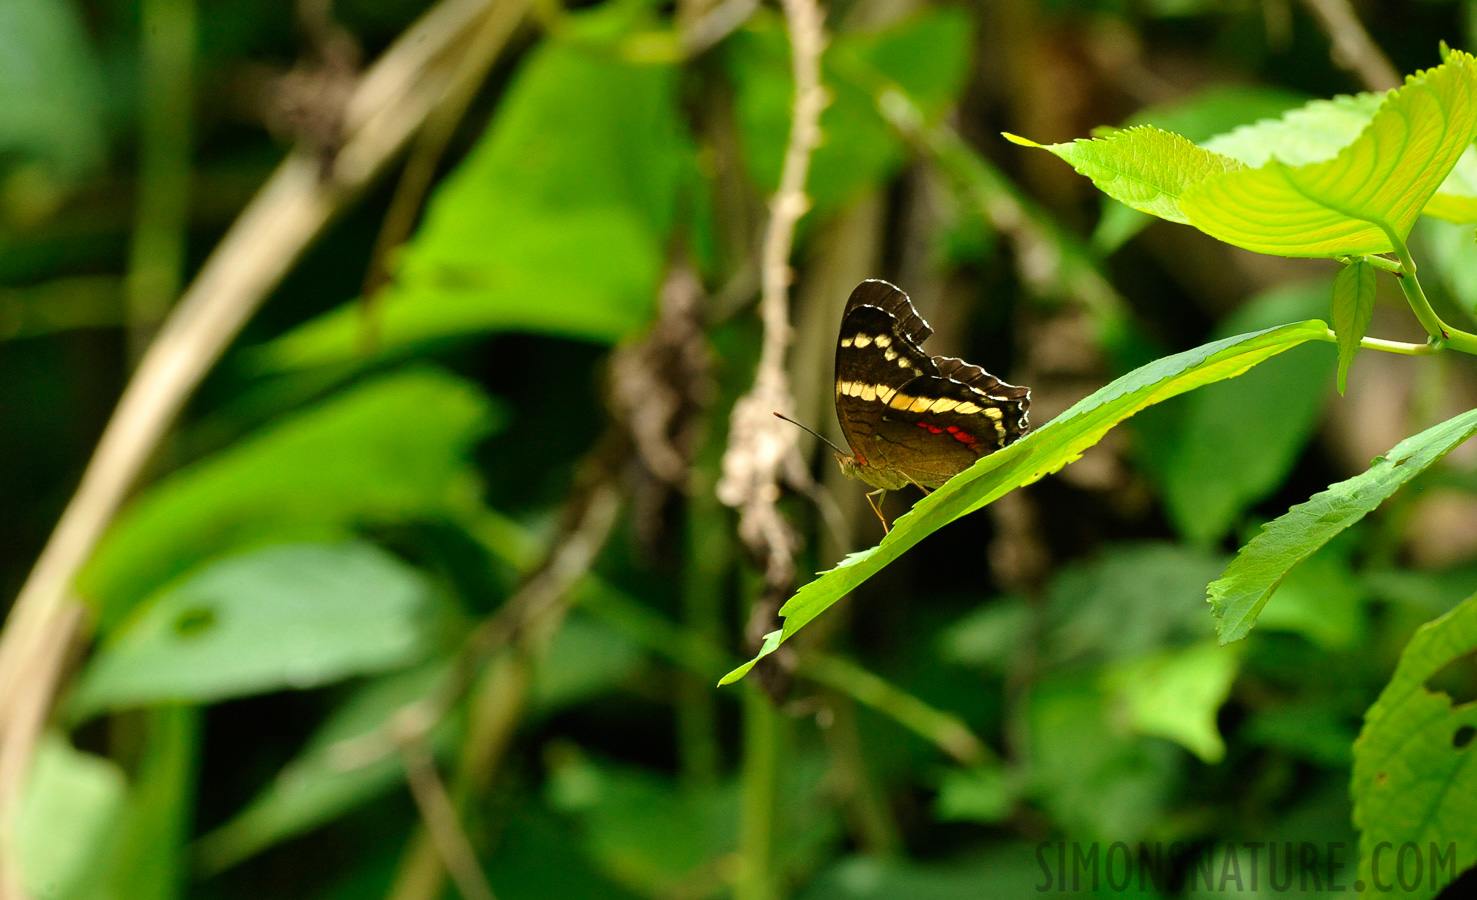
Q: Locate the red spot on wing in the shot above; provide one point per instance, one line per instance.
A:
(922, 424)
(952, 428)
(934, 429)
(963, 438)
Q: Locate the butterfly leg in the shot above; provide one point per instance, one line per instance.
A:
(880, 494)
(926, 491)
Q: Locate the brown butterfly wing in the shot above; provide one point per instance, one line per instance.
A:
(935, 427)
(891, 300)
(1014, 401)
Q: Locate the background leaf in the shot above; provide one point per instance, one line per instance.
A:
(293, 616)
(547, 226)
(387, 450)
(71, 801)
(1249, 430)
(49, 77)
(1176, 695)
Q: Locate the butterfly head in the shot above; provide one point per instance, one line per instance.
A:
(850, 465)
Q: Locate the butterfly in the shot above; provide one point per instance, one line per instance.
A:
(911, 418)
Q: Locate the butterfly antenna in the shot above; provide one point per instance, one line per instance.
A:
(811, 430)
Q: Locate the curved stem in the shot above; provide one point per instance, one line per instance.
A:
(1440, 332)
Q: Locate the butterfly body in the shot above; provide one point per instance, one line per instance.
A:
(911, 418)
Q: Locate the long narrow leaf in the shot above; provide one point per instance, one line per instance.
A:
(1036, 456)
(1238, 597)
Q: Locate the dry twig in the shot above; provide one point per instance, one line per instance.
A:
(1353, 48)
(761, 448)
(441, 821)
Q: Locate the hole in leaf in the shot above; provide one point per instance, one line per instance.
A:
(1457, 680)
(1463, 737)
(193, 622)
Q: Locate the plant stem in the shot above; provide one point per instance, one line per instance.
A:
(1437, 329)
(708, 558)
(943, 729)
(157, 255)
(762, 737)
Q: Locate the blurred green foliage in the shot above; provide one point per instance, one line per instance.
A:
(312, 562)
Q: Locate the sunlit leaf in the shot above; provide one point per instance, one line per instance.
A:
(1034, 457)
(1199, 117)
(1238, 597)
(1374, 188)
(384, 451)
(1313, 132)
(1353, 306)
(1413, 774)
(1456, 200)
(291, 616)
(1142, 167)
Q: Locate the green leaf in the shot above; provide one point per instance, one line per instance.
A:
(1453, 255)
(1320, 599)
(1369, 194)
(585, 659)
(1456, 200)
(557, 222)
(71, 801)
(1249, 431)
(291, 616)
(1319, 129)
(1199, 117)
(317, 786)
(984, 794)
(145, 858)
(1238, 597)
(1034, 457)
(1353, 305)
(1176, 695)
(53, 88)
(990, 636)
(384, 451)
(1142, 167)
(1313, 132)
(1414, 778)
(1095, 778)
(1133, 600)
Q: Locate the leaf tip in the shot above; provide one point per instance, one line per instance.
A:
(736, 674)
(1017, 139)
